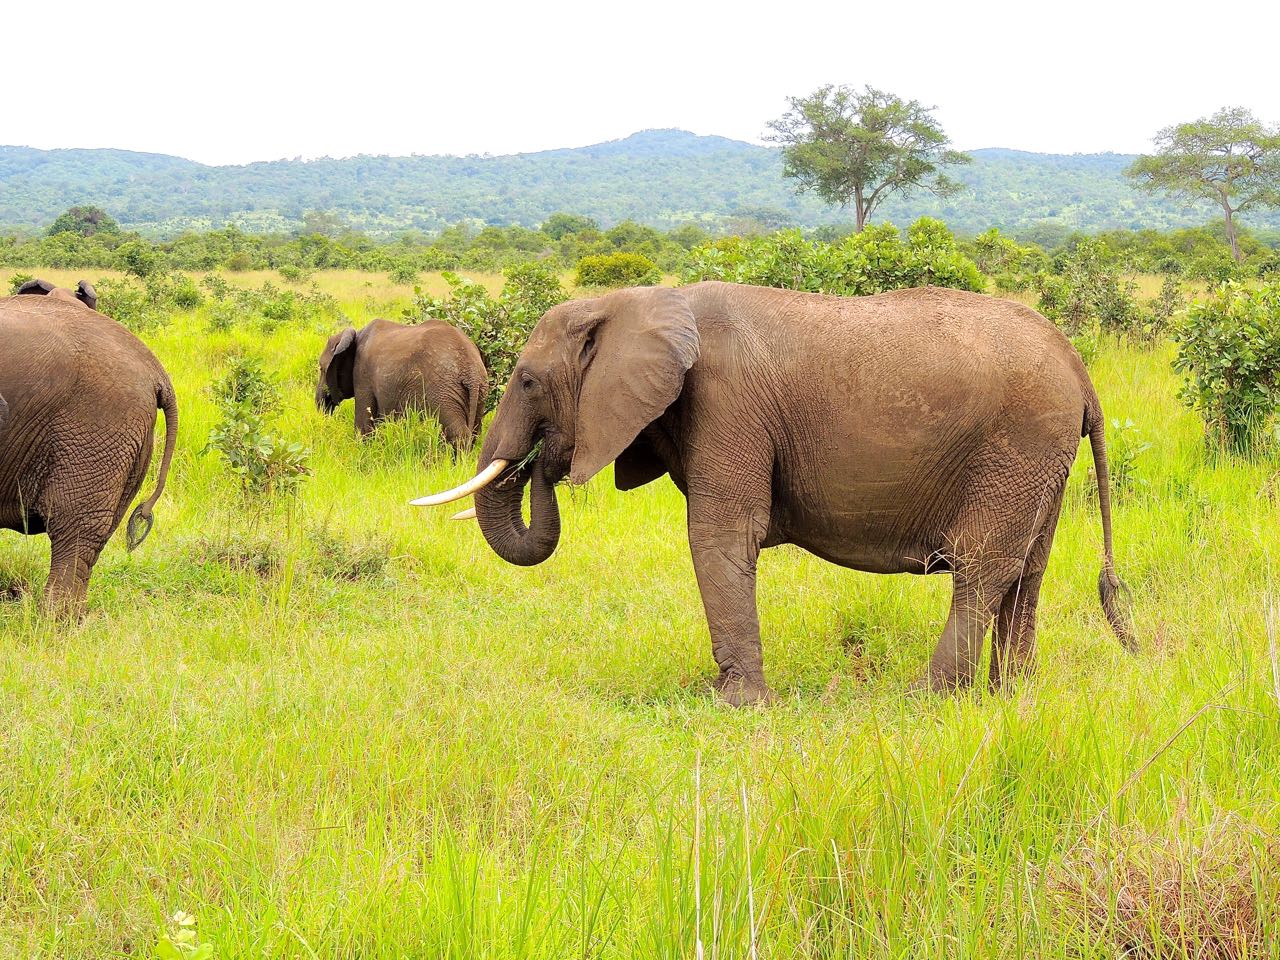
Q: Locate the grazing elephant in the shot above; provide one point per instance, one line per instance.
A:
(389, 368)
(78, 401)
(918, 431)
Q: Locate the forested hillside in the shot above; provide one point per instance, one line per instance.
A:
(659, 177)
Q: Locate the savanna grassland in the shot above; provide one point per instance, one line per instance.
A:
(341, 727)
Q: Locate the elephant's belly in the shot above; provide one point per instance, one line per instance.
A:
(871, 550)
(13, 519)
(878, 527)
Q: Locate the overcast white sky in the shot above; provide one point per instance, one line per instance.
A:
(236, 81)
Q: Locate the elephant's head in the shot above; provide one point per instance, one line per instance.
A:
(592, 376)
(84, 292)
(337, 371)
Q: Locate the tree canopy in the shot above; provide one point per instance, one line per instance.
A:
(1231, 159)
(861, 147)
(85, 221)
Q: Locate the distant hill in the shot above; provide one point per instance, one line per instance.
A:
(660, 177)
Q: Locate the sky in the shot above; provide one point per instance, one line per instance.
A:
(234, 82)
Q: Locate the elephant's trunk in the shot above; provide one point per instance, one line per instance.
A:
(498, 509)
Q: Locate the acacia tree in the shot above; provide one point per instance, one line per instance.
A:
(1231, 158)
(860, 147)
(85, 221)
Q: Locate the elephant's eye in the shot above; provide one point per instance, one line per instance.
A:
(588, 347)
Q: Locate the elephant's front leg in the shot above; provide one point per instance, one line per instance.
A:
(726, 544)
(366, 410)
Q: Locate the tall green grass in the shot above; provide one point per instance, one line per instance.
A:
(343, 728)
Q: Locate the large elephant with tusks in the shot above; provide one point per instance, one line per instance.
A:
(918, 431)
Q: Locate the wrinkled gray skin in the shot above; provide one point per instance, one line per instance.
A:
(388, 368)
(78, 401)
(918, 431)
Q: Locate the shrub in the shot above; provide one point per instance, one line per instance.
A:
(617, 270)
(876, 260)
(498, 327)
(1086, 290)
(1125, 448)
(1229, 351)
(262, 463)
(269, 307)
(140, 259)
(1168, 302)
(148, 303)
(403, 271)
(291, 273)
(17, 280)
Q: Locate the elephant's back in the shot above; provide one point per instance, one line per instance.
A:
(66, 352)
(436, 336)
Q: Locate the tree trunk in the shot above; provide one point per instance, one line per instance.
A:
(1231, 232)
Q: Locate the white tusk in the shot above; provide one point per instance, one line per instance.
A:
(478, 482)
(468, 514)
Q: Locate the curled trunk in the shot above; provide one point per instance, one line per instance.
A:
(499, 511)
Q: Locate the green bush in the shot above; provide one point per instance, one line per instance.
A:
(1229, 352)
(291, 273)
(498, 327)
(147, 303)
(262, 463)
(617, 270)
(138, 258)
(876, 260)
(1086, 293)
(268, 307)
(403, 271)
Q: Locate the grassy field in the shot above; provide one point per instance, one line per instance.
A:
(344, 728)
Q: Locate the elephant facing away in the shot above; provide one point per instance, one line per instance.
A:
(78, 401)
(918, 431)
(389, 368)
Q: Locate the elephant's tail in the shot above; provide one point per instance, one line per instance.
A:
(140, 520)
(1111, 591)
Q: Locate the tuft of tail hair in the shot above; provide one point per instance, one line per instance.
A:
(140, 523)
(1115, 606)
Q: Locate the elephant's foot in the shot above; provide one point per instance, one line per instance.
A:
(740, 691)
(936, 683)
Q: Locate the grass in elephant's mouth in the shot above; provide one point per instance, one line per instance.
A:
(386, 743)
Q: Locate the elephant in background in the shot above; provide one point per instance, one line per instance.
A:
(78, 401)
(84, 292)
(918, 431)
(388, 368)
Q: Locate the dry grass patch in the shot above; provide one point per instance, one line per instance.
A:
(1208, 893)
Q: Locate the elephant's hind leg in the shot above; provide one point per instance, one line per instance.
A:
(81, 518)
(977, 591)
(1014, 642)
(74, 547)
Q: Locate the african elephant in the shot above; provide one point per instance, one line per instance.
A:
(389, 368)
(918, 431)
(78, 401)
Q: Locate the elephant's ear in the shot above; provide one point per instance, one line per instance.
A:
(87, 295)
(639, 351)
(39, 288)
(340, 372)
